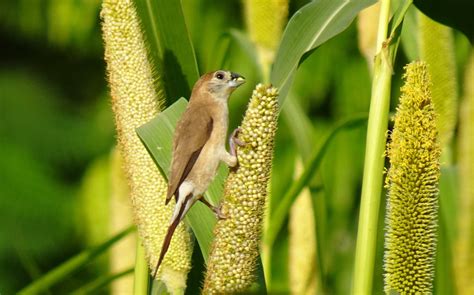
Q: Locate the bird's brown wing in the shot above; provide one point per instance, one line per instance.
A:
(192, 133)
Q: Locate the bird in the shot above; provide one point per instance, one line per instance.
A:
(199, 146)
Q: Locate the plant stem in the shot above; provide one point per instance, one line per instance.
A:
(140, 285)
(71, 265)
(374, 161)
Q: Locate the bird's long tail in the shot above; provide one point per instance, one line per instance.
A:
(183, 208)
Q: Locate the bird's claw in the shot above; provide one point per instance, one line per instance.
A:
(216, 209)
(219, 214)
(234, 141)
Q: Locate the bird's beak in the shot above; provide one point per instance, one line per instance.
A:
(236, 80)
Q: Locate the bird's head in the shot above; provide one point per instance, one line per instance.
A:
(222, 83)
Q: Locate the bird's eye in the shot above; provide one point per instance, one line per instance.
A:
(220, 76)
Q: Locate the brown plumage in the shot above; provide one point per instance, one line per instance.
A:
(199, 145)
(198, 118)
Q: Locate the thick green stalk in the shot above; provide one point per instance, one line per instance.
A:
(374, 161)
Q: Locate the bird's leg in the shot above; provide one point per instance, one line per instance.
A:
(231, 159)
(234, 141)
(216, 209)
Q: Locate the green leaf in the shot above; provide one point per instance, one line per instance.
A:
(307, 29)
(72, 265)
(170, 47)
(281, 212)
(157, 136)
(454, 13)
(399, 16)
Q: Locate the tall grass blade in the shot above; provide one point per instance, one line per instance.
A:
(73, 264)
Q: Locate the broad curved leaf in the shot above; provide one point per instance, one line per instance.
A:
(307, 29)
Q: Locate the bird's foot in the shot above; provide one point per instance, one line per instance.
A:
(234, 141)
(219, 214)
(216, 209)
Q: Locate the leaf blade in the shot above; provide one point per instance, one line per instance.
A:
(309, 27)
(169, 44)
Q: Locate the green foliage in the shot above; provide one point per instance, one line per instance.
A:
(46, 141)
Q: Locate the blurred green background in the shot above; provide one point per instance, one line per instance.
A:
(56, 121)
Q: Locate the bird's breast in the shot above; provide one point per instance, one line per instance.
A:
(206, 165)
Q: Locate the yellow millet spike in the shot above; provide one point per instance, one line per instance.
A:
(412, 182)
(134, 103)
(302, 264)
(367, 29)
(231, 264)
(265, 20)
